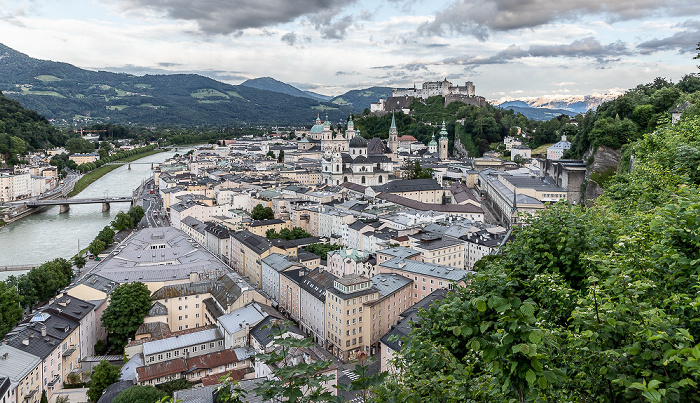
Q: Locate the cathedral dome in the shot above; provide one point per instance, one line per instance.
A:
(358, 142)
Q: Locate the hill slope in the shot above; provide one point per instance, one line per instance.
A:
(70, 95)
(32, 128)
(360, 99)
(270, 84)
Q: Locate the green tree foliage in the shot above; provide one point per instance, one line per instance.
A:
(585, 305)
(128, 306)
(101, 347)
(286, 233)
(79, 261)
(96, 246)
(280, 158)
(413, 170)
(139, 394)
(44, 399)
(42, 283)
(77, 145)
(296, 383)
(171, 386)
(122, 221)
(106, 235)
(103, 375)
(26, 125)
(136, 213)
(270, 154)
(11, 147)
(363, 383)
(10, 310)
(229, 391)
(262, 213)
(321, 249)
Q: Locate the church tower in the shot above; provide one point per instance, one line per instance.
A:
(393, 142)
(433, 145)
(443, 142)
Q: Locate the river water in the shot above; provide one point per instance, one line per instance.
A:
(49, 235)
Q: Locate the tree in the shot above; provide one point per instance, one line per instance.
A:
(321, 249)
(262, 213)
(280, 158)
(103, 375)
(139, 394)
(413, 170)
(44, 399)
(296, 383)
(101, 347)
(229, 391)
(96, 246)
(62, 399)
(77, 145)
(270, 154)
(128, 306)
(698, 55)
(286, 233)
(136, 213)
(122, 221)
(171, 386)
(10, 310)
(79, 261)
(363, 382)
(106, 235)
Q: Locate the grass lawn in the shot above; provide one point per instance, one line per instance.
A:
(541, 149)
(96, 174)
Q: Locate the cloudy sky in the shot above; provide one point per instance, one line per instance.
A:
(508, 48)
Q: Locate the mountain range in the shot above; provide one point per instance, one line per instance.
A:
(66, 94)
(69, 95)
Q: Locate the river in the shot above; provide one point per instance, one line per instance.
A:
(49, 235)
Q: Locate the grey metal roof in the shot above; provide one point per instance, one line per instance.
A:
(426, 242)
(249, 315)
(181, 290)
(263, 331)
(181, 341)
(228, 288)
(17, 363)
(400, 251)
(389, 283)
(426, 269)
(409, 185)
(28, 337)
(70, 307)
(532, 182)
(278, 262)
(137, 261)
(394, 338)
(317, 282)
(202, 394)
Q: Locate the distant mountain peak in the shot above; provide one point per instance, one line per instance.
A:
(271, 84)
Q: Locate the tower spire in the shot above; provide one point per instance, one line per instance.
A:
(393, 121)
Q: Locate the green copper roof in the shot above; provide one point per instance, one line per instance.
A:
(393, 121)
(432, 141)
(443, 131)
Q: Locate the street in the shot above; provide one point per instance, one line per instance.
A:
(153, 206)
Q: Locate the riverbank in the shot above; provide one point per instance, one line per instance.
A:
(96, 174)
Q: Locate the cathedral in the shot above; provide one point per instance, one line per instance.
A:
(361, 162)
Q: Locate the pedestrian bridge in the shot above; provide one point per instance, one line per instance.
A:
(129, 163)
(65, 203)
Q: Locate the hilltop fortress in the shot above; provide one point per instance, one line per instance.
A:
(401, 98)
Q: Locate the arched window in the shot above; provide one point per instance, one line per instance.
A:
(353, 151)
(345, 179)
(380, 179)
(363, 180)
(337, 168)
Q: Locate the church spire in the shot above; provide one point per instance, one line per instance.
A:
(393, 121)
(443, 130)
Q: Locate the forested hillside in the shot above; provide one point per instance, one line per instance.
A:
(640, 110)
(594, 304)
(23, 129)
(65, 93)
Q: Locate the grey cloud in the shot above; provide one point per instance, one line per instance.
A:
(586, 47)
(330, 28)
(221, 75)
(684, 41)
(167, 64)
(480, 18)
(229, 16)
(290, 38)
(346, 73)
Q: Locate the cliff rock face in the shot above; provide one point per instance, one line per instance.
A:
(605, 159)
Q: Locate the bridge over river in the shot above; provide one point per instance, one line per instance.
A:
(65, 203)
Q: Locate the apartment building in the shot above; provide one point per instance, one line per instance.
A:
(427, 277)
(440, 250)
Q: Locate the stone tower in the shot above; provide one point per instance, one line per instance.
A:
(443, 142)
(393, 142)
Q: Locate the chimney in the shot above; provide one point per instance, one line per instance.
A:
(25, 341)
(43, 331)
(4, 356)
